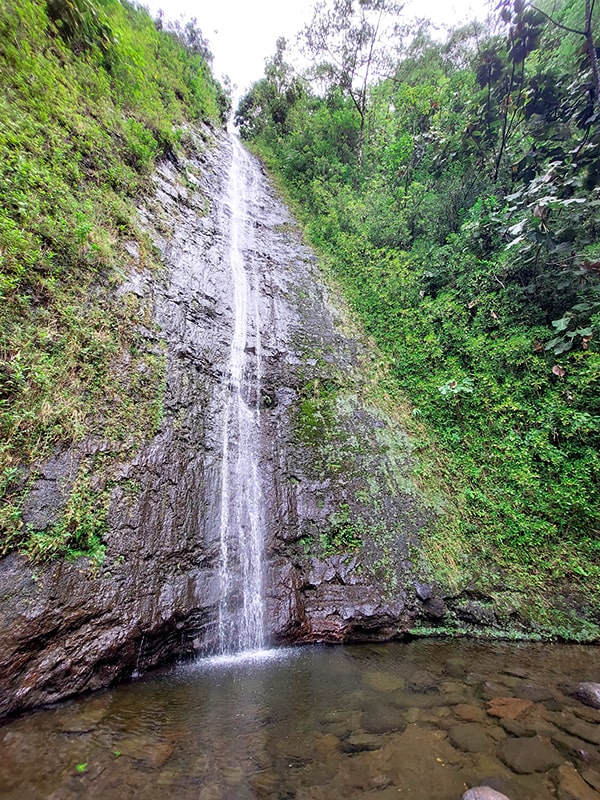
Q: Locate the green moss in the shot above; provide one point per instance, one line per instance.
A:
(344, 534)
(92, 95)
(80, 531)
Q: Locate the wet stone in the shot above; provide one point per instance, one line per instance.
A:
(508, 707)
(575, 748)
(469, 713)
(516, 672)
(591, 776)
(587, 713)
(530, 691)
(571, 785)
(455, 668)
(583, 730)
(501, 784)
(525, 755)
(423, 681)
(450, 687)
(404, 699)
(384, 681)
(515, 728)
(589, 693)
(382, 719)
(360, 743)
(470, 738)
(483, 793)
(493, 689)
(155, 754)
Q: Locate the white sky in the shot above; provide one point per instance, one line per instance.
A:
(242, 33)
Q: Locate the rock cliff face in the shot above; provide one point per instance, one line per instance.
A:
(343, 516)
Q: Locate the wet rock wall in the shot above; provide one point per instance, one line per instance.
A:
(342, 515)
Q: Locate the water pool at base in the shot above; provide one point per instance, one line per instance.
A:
(419, 720)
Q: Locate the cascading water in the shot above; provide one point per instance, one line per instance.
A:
(241, 611)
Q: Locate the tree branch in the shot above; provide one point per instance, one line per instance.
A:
(558, 24)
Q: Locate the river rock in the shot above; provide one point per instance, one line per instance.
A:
(527, 755)
(456, 668)
(533, 692)
(469, 713)
(470, 737)
(382, 718)
(483, 793)
(591, 776)
(583, 730)
(515, 728)
(575, 748)
(508, 707)
(589, 693)
(423, 681)
(571, 785)
(360, 742)
(493, 689)
(587, 713)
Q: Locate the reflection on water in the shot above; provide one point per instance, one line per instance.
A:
(414, 720)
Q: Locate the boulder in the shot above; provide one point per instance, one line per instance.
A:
(589, 693)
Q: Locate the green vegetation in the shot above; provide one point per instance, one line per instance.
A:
(456, 201)
(93, 93)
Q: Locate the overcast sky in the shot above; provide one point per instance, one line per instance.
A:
(242, 33)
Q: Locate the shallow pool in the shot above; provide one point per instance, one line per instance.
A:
(422, 720)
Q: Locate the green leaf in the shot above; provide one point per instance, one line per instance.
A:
(561, 324)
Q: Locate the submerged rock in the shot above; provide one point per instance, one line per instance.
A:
(589, 693)
(571, 786)
(508, 707)
(470, 737)
(527, 755)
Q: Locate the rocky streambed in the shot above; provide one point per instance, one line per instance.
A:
(425, 720)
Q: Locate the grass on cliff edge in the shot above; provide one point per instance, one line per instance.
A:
(92, 95)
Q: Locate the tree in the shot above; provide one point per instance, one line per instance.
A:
(353, 39)
(589, 43)
(267, 105)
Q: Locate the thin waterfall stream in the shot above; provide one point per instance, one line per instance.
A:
(241, 611)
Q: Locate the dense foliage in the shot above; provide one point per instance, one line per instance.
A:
(93, 93)
(461, 216)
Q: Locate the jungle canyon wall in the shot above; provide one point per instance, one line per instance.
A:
(345, 515)
(334, 472)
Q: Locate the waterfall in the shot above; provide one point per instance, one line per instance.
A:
(241, 606)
